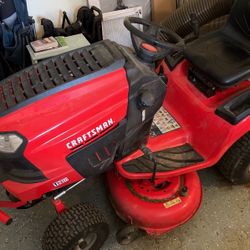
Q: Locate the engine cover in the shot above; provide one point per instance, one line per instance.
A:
(77, 113)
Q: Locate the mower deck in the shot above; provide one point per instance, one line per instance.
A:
(157, 209)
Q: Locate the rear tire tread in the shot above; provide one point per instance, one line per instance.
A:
(235, 159)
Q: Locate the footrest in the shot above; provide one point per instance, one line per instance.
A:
(168, 160)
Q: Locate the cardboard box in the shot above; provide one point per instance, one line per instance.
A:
(161, 9)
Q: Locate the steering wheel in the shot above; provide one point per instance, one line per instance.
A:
(159, 41)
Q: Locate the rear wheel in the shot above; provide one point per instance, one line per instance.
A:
(235, 164)
(80, 227)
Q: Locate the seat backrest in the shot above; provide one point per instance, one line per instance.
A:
(240, 17)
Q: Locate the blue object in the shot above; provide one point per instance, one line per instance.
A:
(16, 31)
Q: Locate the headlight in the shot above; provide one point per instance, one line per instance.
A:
(9, 143)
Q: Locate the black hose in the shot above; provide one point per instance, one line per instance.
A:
(205, 11)
(214, 25)
(209, 27)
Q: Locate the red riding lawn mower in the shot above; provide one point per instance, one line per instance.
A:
(150, 121)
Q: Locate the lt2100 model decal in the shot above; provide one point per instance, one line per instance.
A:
(61, 182)
(81, 140)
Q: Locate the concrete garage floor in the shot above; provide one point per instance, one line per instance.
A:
(223, 221)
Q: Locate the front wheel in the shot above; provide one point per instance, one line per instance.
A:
(128, 234)
(235, 164)
(80, 227)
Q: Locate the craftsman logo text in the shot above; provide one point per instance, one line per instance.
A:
(81, 140)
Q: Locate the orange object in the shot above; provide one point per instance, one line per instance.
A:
(161, 9)
(149, 47)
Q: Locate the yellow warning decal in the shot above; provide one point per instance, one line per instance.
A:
(172, 203)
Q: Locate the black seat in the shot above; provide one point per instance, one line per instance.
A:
(224, 55)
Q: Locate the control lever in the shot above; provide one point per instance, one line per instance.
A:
(195, 24)
(151, 157)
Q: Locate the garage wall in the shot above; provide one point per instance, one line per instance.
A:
(52, 9)
(109, 5)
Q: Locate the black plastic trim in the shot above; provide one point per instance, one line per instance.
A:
(167, 160)
(115, 66)
(15, 167)
(142, 79)
(57, 74)
(200, 80)
(235, 110)
(98, 157)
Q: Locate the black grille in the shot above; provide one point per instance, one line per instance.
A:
(56, 71)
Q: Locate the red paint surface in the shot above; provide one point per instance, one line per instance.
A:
(207, 133)
(154, 217)
(50, 123)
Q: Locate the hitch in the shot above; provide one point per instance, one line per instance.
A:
(5, 218)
